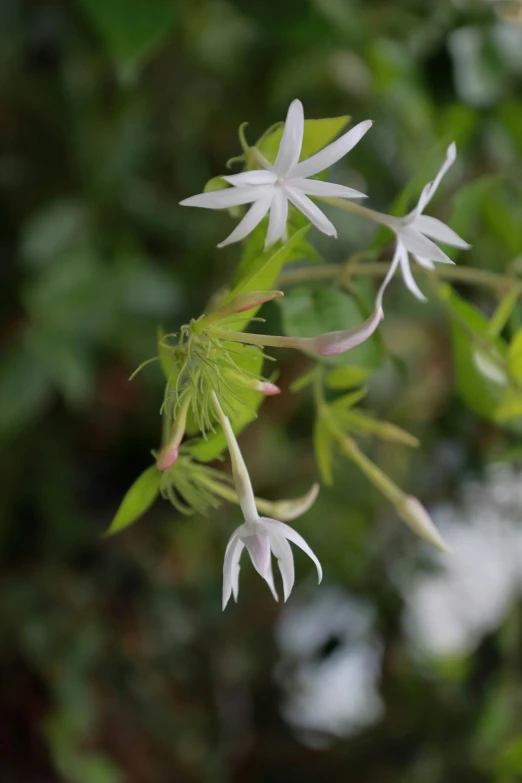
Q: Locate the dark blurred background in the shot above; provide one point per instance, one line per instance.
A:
(115, 659)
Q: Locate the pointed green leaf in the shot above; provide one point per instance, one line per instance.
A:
(137, 501)
(317, 134)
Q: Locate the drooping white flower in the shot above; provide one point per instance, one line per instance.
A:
(415, 232)
(260, 536)
(270, 188)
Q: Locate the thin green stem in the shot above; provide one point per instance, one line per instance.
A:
(457, 274)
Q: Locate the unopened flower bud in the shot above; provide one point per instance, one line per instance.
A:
(242, 303)
(170, 451)
(256, 384)
(416, 516)
(168, 456)
(268, 389)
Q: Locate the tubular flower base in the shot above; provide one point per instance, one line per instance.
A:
(261, 536)
(270, 188)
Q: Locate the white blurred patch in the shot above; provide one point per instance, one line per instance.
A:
(331, 692)
(450, 610)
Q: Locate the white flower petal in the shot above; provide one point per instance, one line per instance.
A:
(228, 564)
(228, 197)
(429, 190)
(314, 187)
(248, 223)
(438, 230)
(332, 153)
(255, 177)
(417, 243)
(283, 552)
(408, 276)
(311, 211)
(278, 217)
(389, 274)
(236, 568)
(258, 546)
(425, 262)
(269, 579)
(292, 139)
(292, 535)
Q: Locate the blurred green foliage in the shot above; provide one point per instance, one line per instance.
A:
(116, 662)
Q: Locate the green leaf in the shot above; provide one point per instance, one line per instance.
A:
(347, 376)
(323, 451)
(137, 501)
(510, 406)
(303, 381)
(132, 29)
(515, 356)
(348, 401)
(258, 269)
(477, 387)
(308, 312)
(504, 311)
(317, 134)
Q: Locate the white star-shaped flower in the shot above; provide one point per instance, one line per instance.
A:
(260, 536)
(270, 188)
(416, 231)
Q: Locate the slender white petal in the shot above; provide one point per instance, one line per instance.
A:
(311, 211)
(436, 229)
(292, 139)
(269, 579)
(248, 223)
(278, 217)
(429, 190)
(389, 274)
(417, 243)
(425, 262)
(283, 552)
(236, 568)
(242, 482)
(228, 197)
(314, 187)
(293, 536)
(255, 177)
(228, 564)
(408, 276)
(258, 546)
(332, 153)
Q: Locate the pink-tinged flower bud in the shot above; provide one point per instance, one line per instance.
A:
(334, 343)
(327, 344)
(170, 451)
(242, 303)
(268, 389)
(168, 456)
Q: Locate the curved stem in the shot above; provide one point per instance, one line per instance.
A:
(352, 268)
